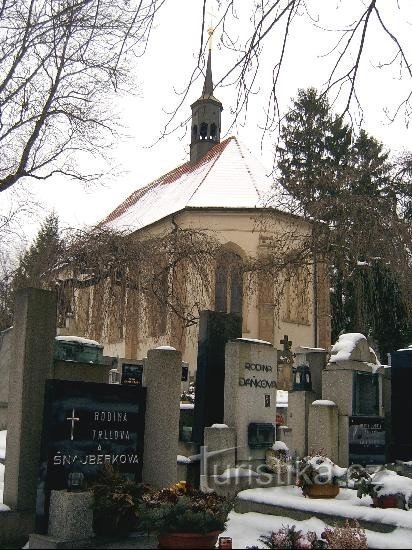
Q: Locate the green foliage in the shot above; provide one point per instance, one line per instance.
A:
(183, 509)
(115, 503)
(359, 199)
(35, 264)
(35, 268)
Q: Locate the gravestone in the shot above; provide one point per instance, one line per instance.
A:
(401, 377)
(215, 330)
(250, 395)
(354, 382)
(87, 426)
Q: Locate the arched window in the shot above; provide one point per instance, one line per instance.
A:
(203, 130)
(194, 131)
(229, 284)
(221, 288)
(213, 131)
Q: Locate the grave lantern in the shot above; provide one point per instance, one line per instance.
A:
(302, 380)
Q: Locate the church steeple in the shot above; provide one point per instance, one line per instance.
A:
(206, 117)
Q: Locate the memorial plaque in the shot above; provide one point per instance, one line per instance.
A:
(367, 440)
(132, 374)
(87, 426)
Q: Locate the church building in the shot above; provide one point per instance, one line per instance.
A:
(224, 190)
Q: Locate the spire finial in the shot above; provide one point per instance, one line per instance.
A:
(210, 32)
(208, 85)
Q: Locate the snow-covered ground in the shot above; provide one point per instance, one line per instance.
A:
(245, 530)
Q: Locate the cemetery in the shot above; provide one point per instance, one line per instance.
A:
(95, 442)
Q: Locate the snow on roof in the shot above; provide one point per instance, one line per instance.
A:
(79, 340)
(228, 176)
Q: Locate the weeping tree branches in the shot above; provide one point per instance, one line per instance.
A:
(172, 272)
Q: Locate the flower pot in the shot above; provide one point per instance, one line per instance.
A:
(188, 540)
(322, 490)
(388, 501)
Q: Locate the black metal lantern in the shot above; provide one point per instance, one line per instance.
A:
(302, 379)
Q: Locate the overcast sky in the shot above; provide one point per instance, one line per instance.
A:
(166, 67)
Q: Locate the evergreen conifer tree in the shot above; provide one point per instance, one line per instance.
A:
(348, 186)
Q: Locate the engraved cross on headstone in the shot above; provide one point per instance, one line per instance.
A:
(73, 420)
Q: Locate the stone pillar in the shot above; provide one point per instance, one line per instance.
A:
(298, 413)
(250, 390)
(163, 372)
(324, 429)
(32, 363)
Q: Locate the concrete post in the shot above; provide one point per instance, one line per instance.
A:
(32, 363)
(163, 371)
(324, 429)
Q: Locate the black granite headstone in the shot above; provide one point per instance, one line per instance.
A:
(401, 387)
(215, 330)
(132, 374)
(87, 426)
(367, 443)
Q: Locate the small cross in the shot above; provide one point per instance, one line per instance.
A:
(211, 29)
(287, 344)
(73, 420)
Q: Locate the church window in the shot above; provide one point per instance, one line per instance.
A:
(194, 131)
(213, 131)
(236, 290)
(203, 130)
(221, 289)
(229, 284)
(297, 298)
